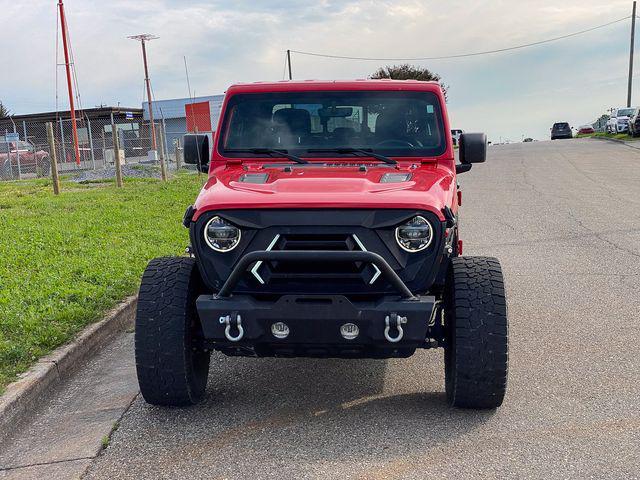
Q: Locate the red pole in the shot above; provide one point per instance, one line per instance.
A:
(63, 25)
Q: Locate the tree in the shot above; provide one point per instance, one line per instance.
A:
(4, 112)
(410, 72)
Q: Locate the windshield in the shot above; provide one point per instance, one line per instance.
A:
(625, 112)
(560, 125)
(389, 123)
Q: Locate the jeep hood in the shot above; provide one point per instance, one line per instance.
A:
(422, 187)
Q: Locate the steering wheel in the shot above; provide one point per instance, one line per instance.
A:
(395, 143)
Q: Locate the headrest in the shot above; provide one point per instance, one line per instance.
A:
(391, 124)
(296, 120)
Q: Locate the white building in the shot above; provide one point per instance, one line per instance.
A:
(185, 115)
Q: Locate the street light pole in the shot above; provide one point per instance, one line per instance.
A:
(143, 39)
(633, 41)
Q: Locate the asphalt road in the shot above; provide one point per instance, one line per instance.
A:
(564, 219)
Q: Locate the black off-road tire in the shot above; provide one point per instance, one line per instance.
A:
(171, 364)
(476, 348)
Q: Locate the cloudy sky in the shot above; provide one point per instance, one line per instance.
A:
(507, 95)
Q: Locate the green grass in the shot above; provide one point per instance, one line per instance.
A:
(67, 259)
(106, 440)
(619, 136)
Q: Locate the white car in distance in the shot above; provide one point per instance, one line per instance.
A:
(619, 120)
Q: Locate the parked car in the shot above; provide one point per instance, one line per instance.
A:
(634, 124)
(528, 140)
(313, 239)
(586, 130)
(561, 130)
(22, 157)
(455, 135)
(619, 120)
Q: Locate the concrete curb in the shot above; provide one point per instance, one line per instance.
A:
(616, 140)
(22, 396)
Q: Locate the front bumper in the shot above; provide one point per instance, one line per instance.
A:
(388, 326)
(622, 127)
(314, 324)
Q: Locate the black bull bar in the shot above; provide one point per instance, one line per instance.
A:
(391, 325)
(316, 256)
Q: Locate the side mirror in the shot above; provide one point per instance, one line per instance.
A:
(196, 151)
(473, 148)
(462, 168)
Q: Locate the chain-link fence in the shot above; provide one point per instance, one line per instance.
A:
(25, 151)
(600, 125)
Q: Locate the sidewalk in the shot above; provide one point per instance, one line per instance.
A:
(67, 431)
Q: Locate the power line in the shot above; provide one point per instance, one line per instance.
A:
(74, 71)
(464, 55)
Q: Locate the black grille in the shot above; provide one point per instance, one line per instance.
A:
(274, 272)
(333, 230)
(339, 242)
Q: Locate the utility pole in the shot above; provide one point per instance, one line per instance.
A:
(289, 63)
(67, 64)
(143, 39)
(633, 41)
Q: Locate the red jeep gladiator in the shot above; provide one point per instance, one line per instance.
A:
(328, 227)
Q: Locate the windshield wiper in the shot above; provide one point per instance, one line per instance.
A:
(268, 151)
(362, 151)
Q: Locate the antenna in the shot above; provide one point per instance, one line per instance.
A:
(186, 71)
(189, 107)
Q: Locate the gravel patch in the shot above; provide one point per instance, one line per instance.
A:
(138, 170)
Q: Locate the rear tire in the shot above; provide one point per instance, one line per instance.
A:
(476, 348)
(171, 363)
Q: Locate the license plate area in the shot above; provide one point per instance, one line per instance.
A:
(314, 319)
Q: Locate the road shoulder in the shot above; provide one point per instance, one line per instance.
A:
(72, 427)
(40, 381)
(58, 416)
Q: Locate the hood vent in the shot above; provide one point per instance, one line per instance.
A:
(254, 178)
(395, 177)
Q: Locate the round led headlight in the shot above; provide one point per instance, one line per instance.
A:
(221, 235)
(415, 235)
